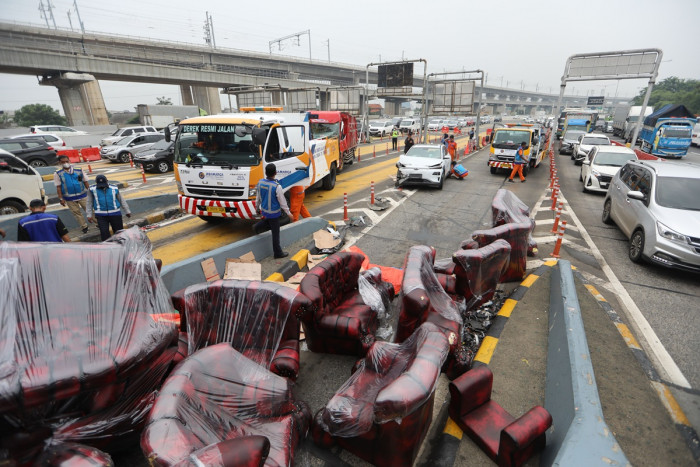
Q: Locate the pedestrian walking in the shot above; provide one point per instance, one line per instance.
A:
(408, 142)
(270, 203)
(452, 148)
(72, 186)
(443, 139)
(395, 138)
(104, 206)
(471, 134)
(296, 203)
(40, 226)
(518, 164)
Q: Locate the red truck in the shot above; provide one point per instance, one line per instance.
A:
(335, 124)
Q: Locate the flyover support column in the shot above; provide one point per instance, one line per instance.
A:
(186, 94)
(207, 98)
(81, 98)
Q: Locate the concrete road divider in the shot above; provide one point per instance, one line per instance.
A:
(579, 435)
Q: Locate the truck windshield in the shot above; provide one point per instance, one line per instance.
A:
(678, 193)
(596, 141)
(324, 130)
(676, 132)
(510, 139)
(219, 145)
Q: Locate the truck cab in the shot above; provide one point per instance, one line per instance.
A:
(339, 125)
(505, 142)
(668, 131)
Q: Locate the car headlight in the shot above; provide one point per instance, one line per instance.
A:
(252, 192)
(400, 165)
(670, 234)
(436, 166)
(595, 173)
(146, 157)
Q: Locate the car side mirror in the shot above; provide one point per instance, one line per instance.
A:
(638, 195)
(259, 136)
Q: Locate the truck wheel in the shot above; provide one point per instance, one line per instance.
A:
(11, 207)
(349, 157)
(493, 170)
(329, 180)
(526, 170)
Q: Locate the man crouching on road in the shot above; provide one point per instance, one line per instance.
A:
(270, 203)
(40, 226)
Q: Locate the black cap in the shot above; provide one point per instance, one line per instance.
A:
(101, 181)
(36, 203)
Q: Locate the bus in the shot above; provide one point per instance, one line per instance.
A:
(219, 159)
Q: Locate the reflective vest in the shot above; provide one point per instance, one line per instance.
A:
(72, 184)
(105, 201)
(41, 227)
(269, 205)
(395, 133)
(520, 156)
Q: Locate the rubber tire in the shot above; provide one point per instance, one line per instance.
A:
(11, 207)
(329, 180)
(442, 182)
(526, 170)
(585, 190)
(636, 247)
(37, 163)
(494, 170)
(606, 212)
(163, 167)
(124, 157)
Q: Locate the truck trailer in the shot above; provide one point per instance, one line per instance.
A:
(668, 131)
(625, 118)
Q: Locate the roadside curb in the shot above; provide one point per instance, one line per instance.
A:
(662, 388)
(295, 264)
(444, 451)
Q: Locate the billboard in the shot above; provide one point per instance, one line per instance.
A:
(346, 100)
(301, 100)
(612, 65)
(595, 101)
(394, 76)
(451, 97)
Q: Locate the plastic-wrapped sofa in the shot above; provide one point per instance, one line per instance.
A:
(82, 349)
(478, 271)
(342, 322)
(218, 407)
(517, 237)
(383, 412)
(506, 208)
(259, 319)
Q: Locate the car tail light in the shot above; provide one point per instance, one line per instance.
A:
(64, 143)
(50, 148)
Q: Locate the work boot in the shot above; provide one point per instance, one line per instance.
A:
(522, 181)
(511, 180)
(284, 254)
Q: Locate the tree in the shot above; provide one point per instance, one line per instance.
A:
(164, 101)
(673, 91)
(38, 114)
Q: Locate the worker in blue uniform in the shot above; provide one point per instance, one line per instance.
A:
(270, 203)
(40, 226)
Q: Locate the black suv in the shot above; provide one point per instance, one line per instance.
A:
(33, 151)
(157, 158)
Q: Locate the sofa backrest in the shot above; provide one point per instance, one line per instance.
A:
(478, 271)
(328, 283)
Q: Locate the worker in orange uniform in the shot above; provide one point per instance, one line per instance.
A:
(296, 203)
(518, 164)
(452, 147)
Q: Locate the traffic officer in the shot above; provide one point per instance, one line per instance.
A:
(518, 164)
(104, 206)
(41, 227)
(270, 203)
(72, 186)
(395, 138)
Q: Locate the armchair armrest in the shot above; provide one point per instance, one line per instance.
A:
(470, 391)
(524, 436)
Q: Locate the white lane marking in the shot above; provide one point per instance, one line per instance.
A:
(664, 362)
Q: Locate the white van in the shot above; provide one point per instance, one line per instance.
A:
(409, 124)
(19, 184)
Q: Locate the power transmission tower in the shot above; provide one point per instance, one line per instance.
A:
(209, 38)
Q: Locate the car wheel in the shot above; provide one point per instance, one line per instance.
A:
(162, 167)
(637, 246)
(585, 190)
(329, 180)
(606, 212)
(38, 163)
(11, 207)
(125, 156)
(493, 170)
(442, 182)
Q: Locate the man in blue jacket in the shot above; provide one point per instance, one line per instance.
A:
(104, 206)
(41, 227)
(270, 203)
(72, 187)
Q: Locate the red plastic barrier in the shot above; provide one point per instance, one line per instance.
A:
(73, 154)
(90, 154)
(645, 156)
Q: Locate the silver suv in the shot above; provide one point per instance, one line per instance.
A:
(127, 131)
(655, 205)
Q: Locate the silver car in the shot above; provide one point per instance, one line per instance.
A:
(125, 148)
(568, 140)
(655, 205)
(424, 164)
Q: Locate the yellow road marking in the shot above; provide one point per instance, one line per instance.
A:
(488, 345)
(551, 262)
(507, 307)
(275, 277)
(202, 241)
(670, 403)
(529, 280)
(627, 336)
(595, 293)
(452, 429)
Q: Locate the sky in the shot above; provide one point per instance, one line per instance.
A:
(519, 44)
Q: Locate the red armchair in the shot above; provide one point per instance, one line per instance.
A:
(383, 412)
(218, 404)
(257, 318)
(478, 271)
(517, 237)
(507, 208)
(506, 440)
(341, 322)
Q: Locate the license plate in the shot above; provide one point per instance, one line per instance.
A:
(217, 209)
(414, 176)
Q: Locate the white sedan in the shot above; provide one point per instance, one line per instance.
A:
(424, 164)
(602, 164)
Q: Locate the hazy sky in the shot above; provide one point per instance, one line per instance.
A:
(519, 44)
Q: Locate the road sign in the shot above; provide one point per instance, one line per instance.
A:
(595, 101)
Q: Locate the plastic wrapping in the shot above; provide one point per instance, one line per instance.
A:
(479, 271)
(390, 383)
(423, 297)
(516, 235)
(507, 208)
(257, 318)
(80, 350)
(375, 293)
(217, 395)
